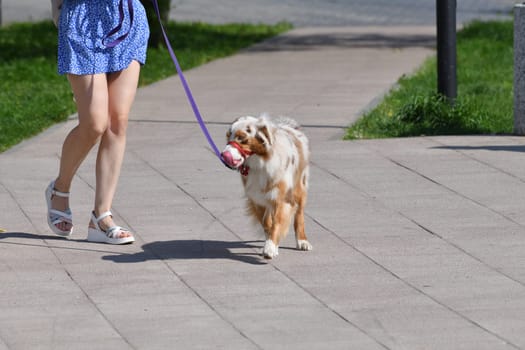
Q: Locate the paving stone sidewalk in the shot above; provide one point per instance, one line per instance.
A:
(418, 243)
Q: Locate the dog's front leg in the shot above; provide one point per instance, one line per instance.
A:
(271, 229)
(280, 222)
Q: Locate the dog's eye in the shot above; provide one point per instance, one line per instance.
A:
(242, 139)
(249, 130)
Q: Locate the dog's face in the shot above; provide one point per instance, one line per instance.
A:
(247, 136)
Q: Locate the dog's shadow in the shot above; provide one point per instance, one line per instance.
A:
(193, 249)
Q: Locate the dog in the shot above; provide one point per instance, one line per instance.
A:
(272, 156)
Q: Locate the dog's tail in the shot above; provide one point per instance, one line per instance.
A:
(286, 121)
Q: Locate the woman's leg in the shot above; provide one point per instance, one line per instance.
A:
(122, 87)
(91, 95)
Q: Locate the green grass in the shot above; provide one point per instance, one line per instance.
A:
(485, 97)
(33, 96)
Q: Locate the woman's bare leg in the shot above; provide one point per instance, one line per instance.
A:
(91, 95)
(122, 87)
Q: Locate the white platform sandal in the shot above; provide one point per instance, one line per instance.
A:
(110, 236)
(55, 216)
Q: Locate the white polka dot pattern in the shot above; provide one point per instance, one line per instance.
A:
(82, 26)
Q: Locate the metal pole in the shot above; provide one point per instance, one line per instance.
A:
(519, 69)
(0, 13)
(446, 47)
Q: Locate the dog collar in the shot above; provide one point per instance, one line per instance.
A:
(244, 170)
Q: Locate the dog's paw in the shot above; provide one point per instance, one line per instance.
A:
(270, 250)
(303, 244)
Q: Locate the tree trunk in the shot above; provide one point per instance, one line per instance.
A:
(155, 38)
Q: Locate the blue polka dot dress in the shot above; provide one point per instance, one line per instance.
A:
(82, 27)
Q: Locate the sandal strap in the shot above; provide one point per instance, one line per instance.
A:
(66, 215)
(114, 231)
(96, 220)
(111, 232)
(60, 219)
(54, 192)
(59, 194)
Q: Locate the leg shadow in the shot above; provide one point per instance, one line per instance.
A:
(25, 235)
(193, 249)
(47, 241)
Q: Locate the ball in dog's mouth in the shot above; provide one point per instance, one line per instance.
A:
(232, 157)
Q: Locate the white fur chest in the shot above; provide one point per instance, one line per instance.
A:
(261, 183)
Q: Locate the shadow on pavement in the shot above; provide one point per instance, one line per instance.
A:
(499, 148)
(192, 249)
(25, 235)
(345, 40)
(44, 241)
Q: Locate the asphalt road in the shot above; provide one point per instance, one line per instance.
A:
(302, 13)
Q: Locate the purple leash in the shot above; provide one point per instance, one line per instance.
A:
(187, 89)
(119, 25)
(174, 59)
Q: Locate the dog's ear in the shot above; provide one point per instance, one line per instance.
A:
(264, 131)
